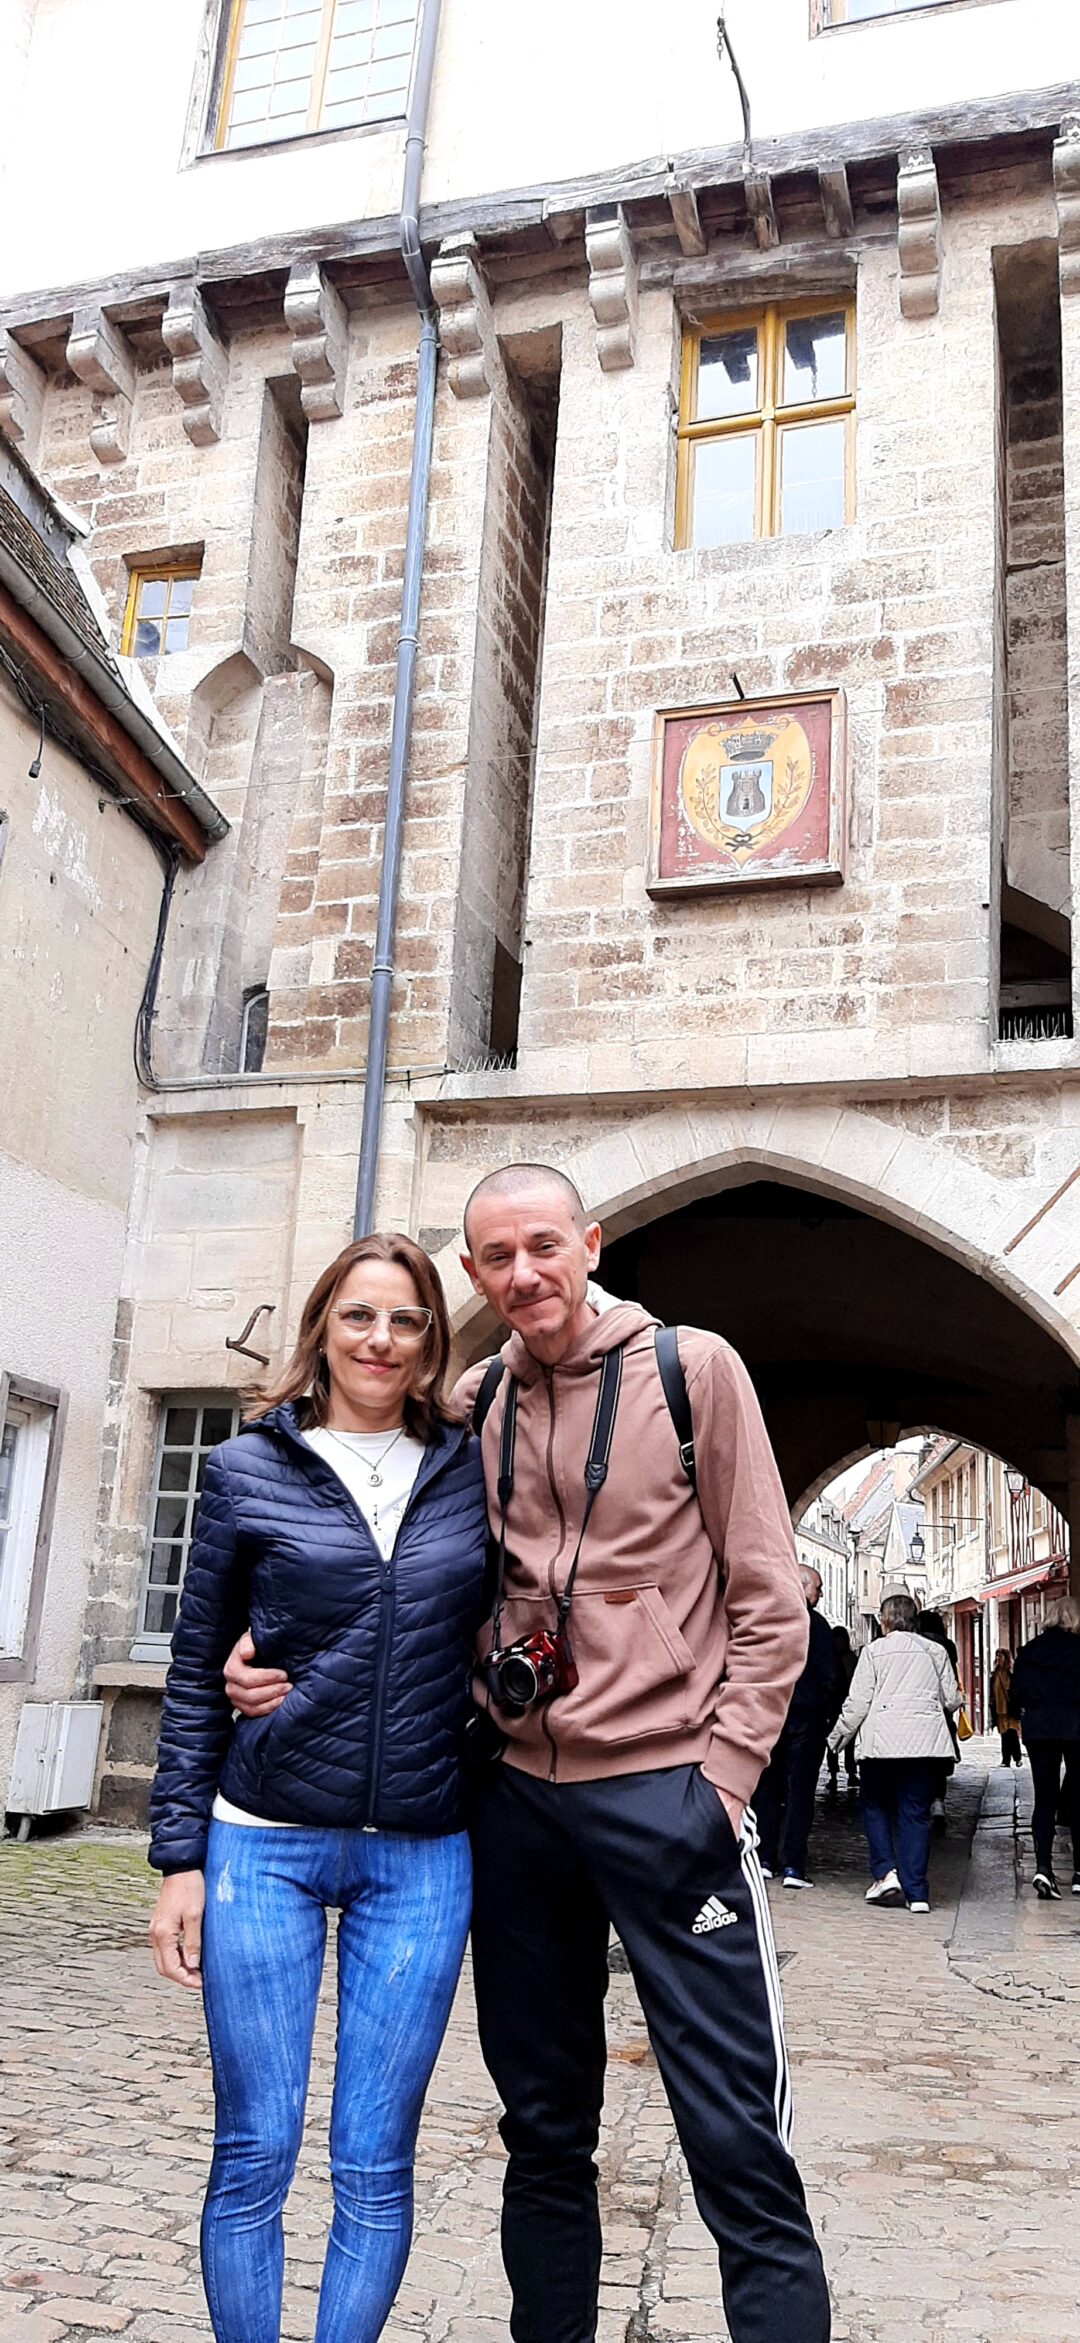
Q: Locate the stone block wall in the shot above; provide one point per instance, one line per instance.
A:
(1036, 615)
(502, 726)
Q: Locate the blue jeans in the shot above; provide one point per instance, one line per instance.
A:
(404, 1906)
(896, 1795)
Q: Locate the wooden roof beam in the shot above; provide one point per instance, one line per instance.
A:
(836, 199)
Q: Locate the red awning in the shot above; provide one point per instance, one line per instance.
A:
(1053, 1573)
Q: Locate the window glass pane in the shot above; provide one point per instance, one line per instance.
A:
(152, 592)
(165, 1563)
(161, 1610)
(388, 76)
(176, 634)
(722, 490)
(811, 478)
(393, 40)
(147, 639)
(180, 598)
(815, 359)
(728, 374)
(217, 1424)
(170, 1517)
(342, 88)
(175, 1470)
(179, 1427)
(7, 1468)
(353, 16)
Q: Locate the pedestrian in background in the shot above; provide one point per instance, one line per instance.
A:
(347, 1523)
(784, 1799)
(1001, 1708)
(903, 1694)
(1046, 1696)
(845, 1669)
(932, 1625)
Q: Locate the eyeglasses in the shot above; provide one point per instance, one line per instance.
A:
(405, 1325)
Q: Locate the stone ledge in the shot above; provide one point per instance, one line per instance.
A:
(130, 1676)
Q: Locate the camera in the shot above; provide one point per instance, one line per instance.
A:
(537, 1668)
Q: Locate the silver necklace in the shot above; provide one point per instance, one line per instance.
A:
(375, 1479)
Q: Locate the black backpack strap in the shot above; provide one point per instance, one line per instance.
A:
(493, 1375)
(677, 1397)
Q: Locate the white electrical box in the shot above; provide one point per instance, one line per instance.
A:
(55, 1756)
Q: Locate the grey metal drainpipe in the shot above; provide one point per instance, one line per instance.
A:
(382, 967)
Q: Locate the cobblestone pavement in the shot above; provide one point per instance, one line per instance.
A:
(937, 2116)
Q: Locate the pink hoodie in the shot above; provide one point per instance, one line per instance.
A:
(679, 1661)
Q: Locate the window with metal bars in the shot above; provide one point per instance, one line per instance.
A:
(294, 66)
(192, 1423)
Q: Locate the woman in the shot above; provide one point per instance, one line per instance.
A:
(1046, 1698)
(1001, 1708)
(346, 1522)
(902, 1695)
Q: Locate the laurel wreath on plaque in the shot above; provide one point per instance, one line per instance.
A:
(700, 784)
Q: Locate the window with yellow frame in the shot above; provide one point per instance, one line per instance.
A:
(293, 66)
(766, 424)
(158, 612)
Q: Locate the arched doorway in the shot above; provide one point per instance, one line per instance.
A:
(853, 1329)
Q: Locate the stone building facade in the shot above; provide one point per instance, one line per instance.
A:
(839, 1122)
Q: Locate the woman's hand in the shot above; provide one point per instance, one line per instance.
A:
(256, 1692)
(176, 1928)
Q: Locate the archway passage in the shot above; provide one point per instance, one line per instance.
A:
(853, 1330)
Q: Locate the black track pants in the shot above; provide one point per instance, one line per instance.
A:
(1049, 1759)
(784, 1804)
(653, 1853)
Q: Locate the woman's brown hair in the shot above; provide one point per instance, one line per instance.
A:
(305, 1379)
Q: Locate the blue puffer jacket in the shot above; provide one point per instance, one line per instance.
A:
(378, 1652)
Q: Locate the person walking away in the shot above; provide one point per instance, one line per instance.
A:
(845, 1669)
(347, 1522)
(648, 1628)
(1001, 1708)
(932, 1625)
(784, 1800)
(1045, 1694)
(903, 1693)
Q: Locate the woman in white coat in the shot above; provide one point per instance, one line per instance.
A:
(902, 1695)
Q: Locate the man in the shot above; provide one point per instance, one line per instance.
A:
(784, 1804)
(621, 1795)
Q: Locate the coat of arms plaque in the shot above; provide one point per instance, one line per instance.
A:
(749, 793)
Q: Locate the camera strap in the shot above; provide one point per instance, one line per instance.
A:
(596, 1470)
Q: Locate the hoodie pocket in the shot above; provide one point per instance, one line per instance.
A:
(633, 1668)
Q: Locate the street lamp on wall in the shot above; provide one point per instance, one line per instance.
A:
(1014, 1480)
(917, 1549)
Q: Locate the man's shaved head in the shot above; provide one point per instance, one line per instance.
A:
(516, 1179)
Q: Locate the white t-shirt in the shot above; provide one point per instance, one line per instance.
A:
(357, 1458)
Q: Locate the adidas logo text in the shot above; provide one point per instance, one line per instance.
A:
(712, 1915)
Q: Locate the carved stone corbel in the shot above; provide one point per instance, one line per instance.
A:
(1067, 188)
(319, 324)
(613, 284)
(98, 354)
(22, 396)
(919, 234)
(200, 368)
(466, 323)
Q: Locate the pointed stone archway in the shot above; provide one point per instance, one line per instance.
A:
(871, 1277)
